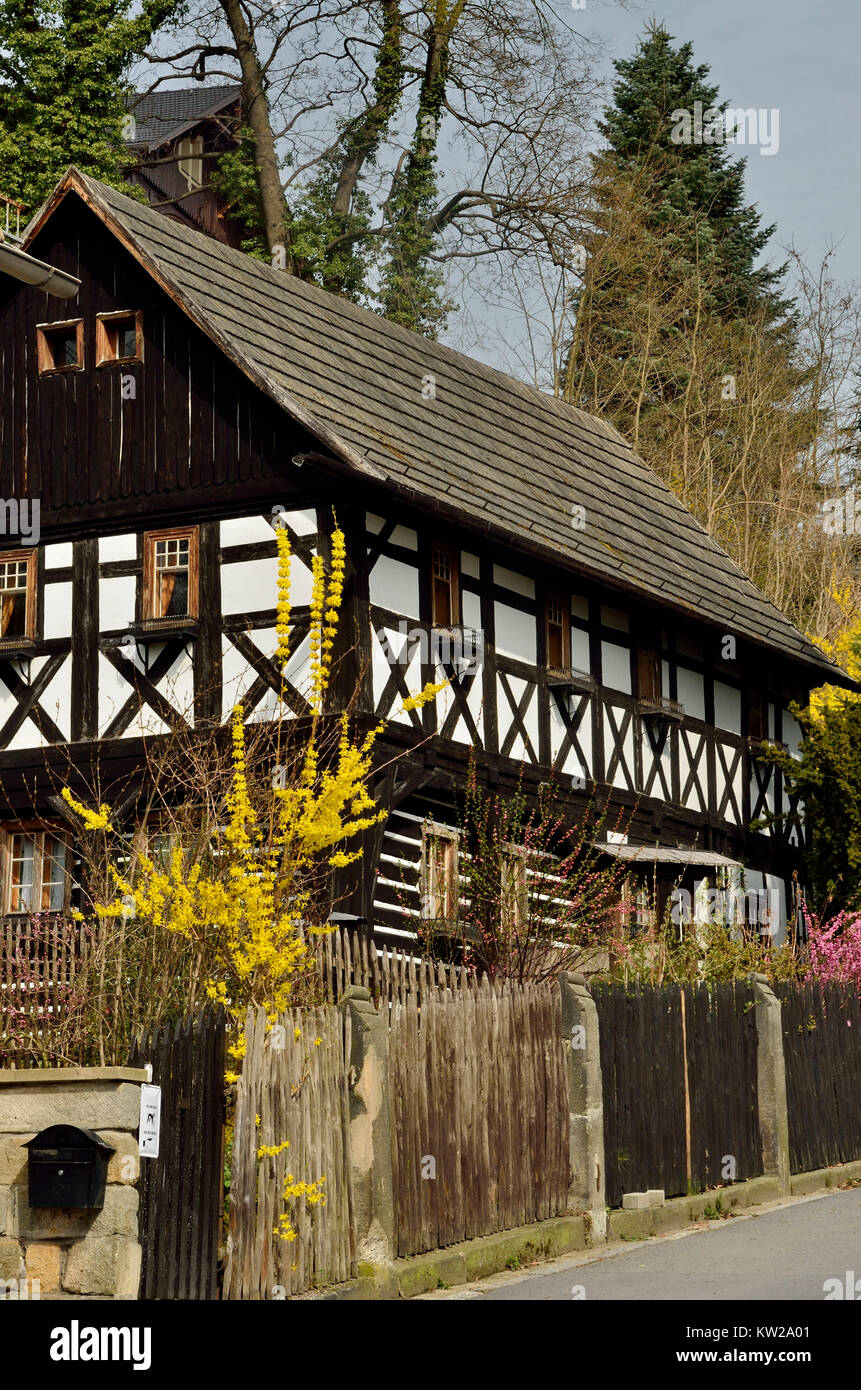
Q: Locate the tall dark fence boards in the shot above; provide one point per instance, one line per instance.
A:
(679, 1074)
(720, 1028)
(642, 1066)
(822, 1051)
(181, 1191)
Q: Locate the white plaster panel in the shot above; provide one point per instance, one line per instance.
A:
(405, 537)
(58, 556)
(691, 690)
(517, 583)
(58, 610)
(471, 606)
(247, 530)
(118, 548)
(515, 633)
(249, 587)
(727, 707)
(616, 667)
(395, 586)
(116, 603)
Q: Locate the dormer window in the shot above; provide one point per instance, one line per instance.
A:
(60, 346)
(170, 575)
(119, 338)
(445, 587)
(17, 596)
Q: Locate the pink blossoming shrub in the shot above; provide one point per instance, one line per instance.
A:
(835, 949)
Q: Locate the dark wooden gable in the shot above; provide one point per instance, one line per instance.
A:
(183, 428)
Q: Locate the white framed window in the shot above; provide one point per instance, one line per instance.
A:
(36, 872)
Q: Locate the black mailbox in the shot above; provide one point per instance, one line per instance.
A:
(67, 1167)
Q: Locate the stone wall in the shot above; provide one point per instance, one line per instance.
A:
(71, 1253)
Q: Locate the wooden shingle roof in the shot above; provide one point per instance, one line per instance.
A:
(484, 448)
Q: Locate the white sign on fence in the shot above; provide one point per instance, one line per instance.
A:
(150, 1121)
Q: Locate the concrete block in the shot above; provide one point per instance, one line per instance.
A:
(632, 1225)
(119, 1216)
(635, 1201)
(43, 1261)
(430, 1272)
(765, 1189)
(27, 1109)
(655, 1197)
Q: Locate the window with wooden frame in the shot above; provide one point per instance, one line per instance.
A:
(557, 628)
(514, 890)
(17, 596)
(36, 875)
(190, 162)
(649, 670)
(119, 337)
(170, 574)
(440, 892)
(60, 346)
(445, 587)
(757, 719)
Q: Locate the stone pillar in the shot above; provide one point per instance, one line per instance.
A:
(370, 1128)
(65, 1252)
(771, 1083)
(587, 1187)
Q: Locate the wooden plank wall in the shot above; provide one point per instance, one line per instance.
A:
(822, 1048)
(181, 1191)
(479, 1101)
(292, 1088)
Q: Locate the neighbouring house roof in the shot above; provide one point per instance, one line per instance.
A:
(164, 114)
(480, 447)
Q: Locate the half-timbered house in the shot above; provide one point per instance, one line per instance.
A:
(192, 398)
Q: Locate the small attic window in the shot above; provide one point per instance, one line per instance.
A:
(119, 337)
(60, 346)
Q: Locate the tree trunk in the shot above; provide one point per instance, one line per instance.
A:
(276, 215)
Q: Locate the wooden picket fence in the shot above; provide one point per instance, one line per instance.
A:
(41, 959)
(822, 1051)
(293, 1088)
(479, 1110)
(181, 1191)
(348, 958)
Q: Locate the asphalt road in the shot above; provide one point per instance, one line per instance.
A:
(784, 1252)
